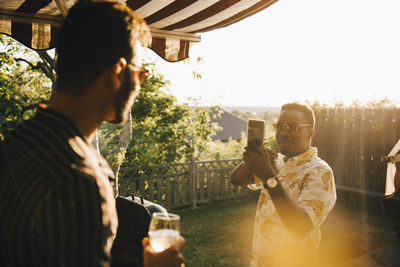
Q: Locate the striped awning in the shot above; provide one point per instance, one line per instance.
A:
(174, 24)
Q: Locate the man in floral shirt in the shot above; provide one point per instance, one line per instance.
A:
(297, 192)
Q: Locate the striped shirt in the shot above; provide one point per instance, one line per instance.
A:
(57, 206)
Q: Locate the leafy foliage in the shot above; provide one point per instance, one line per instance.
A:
(163, 130)
(21, 85)
(218, 150)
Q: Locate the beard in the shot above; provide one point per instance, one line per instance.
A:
(123, 101)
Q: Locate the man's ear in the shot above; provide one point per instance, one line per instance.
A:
(116, 72)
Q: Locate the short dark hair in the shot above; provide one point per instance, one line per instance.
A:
(94, 36)
(306, 110)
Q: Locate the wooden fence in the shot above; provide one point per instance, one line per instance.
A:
(184, 184)
(354, 143)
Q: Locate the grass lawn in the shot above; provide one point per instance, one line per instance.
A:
(220, 234)
(349, 233)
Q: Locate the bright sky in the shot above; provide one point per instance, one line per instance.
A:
(301, 50)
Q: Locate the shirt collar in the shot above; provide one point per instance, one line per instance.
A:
(61, 120)
(302, 158)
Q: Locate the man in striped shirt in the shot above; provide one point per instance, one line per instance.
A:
(57, 206)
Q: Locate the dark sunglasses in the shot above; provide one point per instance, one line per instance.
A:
(291, 127)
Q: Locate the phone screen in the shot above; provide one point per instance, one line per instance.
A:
(255, 134)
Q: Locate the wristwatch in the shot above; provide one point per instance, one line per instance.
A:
(271, 182)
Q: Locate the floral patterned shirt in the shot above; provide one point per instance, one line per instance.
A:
(309, 182)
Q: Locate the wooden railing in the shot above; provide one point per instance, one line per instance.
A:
(183, 184)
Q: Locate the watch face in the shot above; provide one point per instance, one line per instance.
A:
(272, 182)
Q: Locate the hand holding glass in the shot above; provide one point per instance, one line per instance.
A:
(163, 230)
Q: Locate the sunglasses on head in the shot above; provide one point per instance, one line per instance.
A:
(290, 127)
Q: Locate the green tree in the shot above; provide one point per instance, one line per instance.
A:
(22, 83)
(163, 131)
(218, 150)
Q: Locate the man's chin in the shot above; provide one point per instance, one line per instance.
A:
(284, 150)
(119, 120)
(121, 116)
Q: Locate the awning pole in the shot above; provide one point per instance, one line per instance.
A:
(62, 7)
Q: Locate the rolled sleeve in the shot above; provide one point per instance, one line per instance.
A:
(318, 195)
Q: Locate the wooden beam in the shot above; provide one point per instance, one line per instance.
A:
(57, 21)
(29, 18)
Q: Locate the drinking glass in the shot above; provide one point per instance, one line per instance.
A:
(164, 230)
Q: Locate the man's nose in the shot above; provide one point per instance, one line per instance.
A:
(283, 132)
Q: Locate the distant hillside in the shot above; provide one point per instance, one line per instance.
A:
(257, 110)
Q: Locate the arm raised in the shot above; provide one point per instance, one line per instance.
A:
(241, 175)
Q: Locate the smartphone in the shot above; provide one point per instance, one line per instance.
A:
(255, 134)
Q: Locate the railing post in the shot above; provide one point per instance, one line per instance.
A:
(194, 182)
